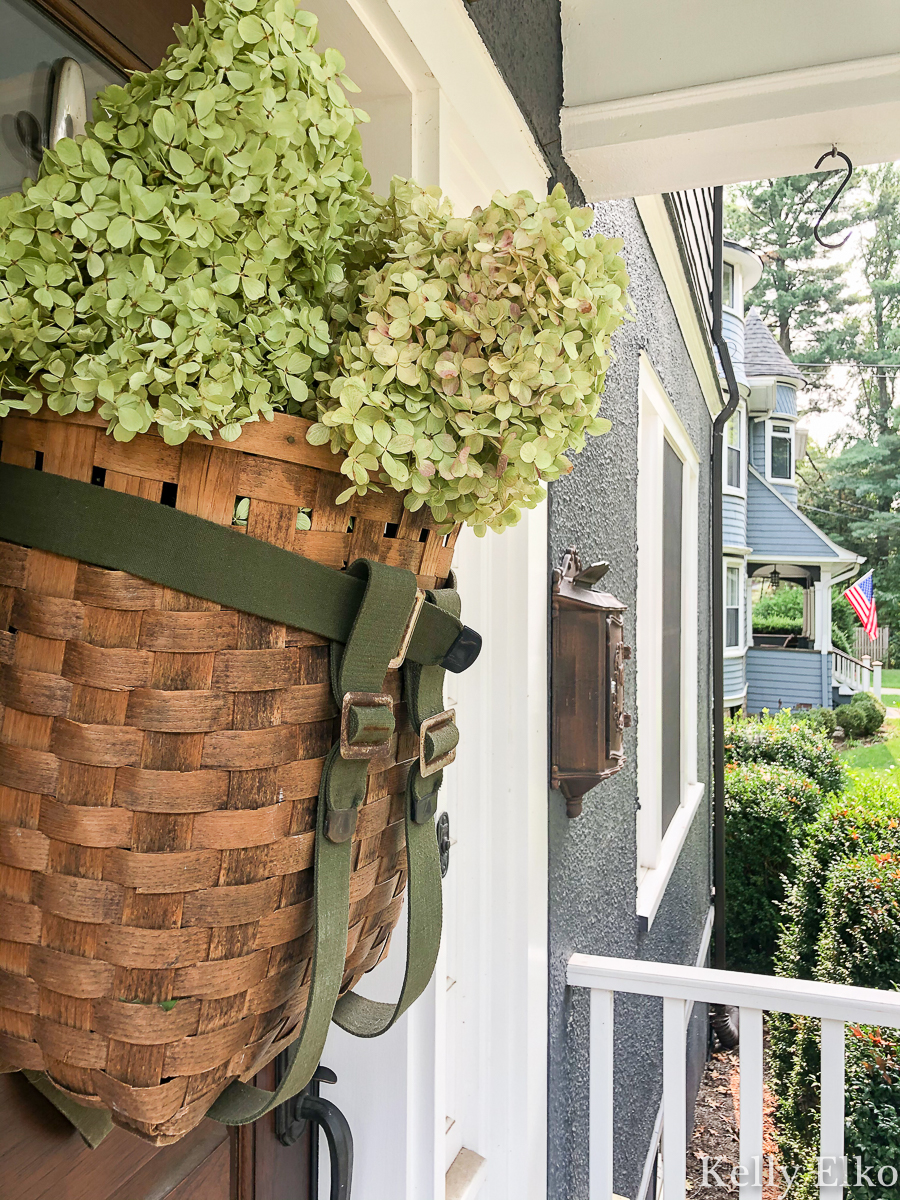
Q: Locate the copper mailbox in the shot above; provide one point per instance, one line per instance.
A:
(587, 681)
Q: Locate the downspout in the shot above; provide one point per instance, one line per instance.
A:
(718, 600)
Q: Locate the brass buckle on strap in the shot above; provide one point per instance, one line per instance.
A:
(408, 631)
(431, 767)
(372, 751)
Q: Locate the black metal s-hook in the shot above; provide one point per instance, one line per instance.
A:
(832, 153)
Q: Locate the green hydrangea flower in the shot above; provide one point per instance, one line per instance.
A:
(474, 360)
(177, 264)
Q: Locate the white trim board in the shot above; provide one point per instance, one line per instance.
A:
(752, 128)
(658, 227)
(658, 852)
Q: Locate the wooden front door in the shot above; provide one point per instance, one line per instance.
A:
(41, 1156)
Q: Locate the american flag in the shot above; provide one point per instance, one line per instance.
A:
(862, 596)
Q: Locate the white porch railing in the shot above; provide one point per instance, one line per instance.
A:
(859, 675)
(834, 1004)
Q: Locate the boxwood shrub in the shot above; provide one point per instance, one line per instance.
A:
(766, 810)
(782, 739)
(862, 717)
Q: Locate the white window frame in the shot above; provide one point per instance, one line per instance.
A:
(734, 564)
(658, 852)
(729, 298)
(741, 490)
(770, 436)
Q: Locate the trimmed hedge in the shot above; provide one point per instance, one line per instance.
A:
(857, 946)
(862, 717)
(842, 925)
(822, 718)
(785, 741)
(766, 810)
(864, 822)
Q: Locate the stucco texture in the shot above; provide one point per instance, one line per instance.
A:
(593, 857)
(524, 40)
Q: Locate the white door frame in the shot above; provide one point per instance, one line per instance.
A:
(441, 110)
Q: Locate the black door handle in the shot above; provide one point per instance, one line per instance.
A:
(292, 1117)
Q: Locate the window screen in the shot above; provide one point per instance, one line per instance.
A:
(673, 477)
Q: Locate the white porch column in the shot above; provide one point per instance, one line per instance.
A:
(822, 613)
(867, 672)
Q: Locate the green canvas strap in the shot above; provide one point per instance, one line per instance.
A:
(92, 1123)
(378, 628)
(424, 692)
(128, 533)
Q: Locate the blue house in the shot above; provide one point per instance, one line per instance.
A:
(767, 537)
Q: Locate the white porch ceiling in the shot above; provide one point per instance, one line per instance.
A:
(668, 94)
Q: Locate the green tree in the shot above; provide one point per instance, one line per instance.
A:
(800, 291)
(870, 336)
(854, 496)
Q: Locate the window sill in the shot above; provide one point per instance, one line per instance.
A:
(655, 880)
(735, 651)
(731, 491)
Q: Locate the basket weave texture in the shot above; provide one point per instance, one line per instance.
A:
(159, 765)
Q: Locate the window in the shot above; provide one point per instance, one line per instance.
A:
(728, 285)
(733, 446)
(732, 607)
(667, 619)
(781, 454)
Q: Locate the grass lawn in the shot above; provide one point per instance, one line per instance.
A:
(891, 679)
(880, 758)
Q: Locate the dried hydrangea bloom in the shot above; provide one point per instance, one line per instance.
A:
(176, 265)
(474, 360)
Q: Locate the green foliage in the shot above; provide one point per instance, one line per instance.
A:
(857, 943)
(475, 359)
(842, 614)
(865, 821)
(777, 624)
(177, 263)
(766, 810)
(788, 742)
(799, 292)
(785, 602)
(821, 718)
(862, 717)
(839, 639)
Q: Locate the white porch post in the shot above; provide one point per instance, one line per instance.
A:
(876, 679)
(867, 672)
(822, 614)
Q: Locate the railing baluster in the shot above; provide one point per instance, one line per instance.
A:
(601, 1100)
(832, 1117)
(674, 1137)
(751, 1057)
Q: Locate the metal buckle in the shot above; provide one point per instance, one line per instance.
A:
(375, 750)
(408, 631)
(426, 768)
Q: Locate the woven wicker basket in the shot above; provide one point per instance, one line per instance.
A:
(159, 765)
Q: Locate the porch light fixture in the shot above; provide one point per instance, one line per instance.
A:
(774, 578)
(588, 681)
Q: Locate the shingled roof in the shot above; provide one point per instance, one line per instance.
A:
(762, 354)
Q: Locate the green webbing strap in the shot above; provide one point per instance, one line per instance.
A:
(377, 630)
(92, 1123)
(424, 691)
(128, 533)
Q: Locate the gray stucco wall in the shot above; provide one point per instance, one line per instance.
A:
(593, 858)
(524, 40)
